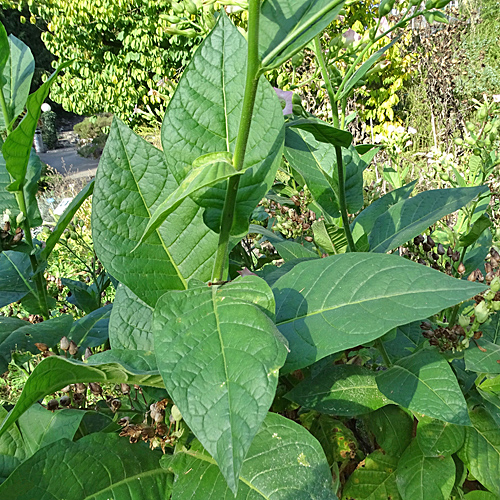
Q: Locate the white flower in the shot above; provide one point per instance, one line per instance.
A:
(496, 98)
(400, 130)
(412, 130)
(391, 128)
(46, 107)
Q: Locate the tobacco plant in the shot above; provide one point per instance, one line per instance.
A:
(246, 375)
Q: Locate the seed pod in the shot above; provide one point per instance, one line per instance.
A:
(41, 346)
(115, 404)
(66, 389)
(73, 348)
(440, 249)
(449, 252)
(472, 276)
(52, 405)
(456, 256)
(430, 242)
(479, 275)
(65, 401)
(416, 240)
(190, 7)
(95, 389)
(178, 7)
(64, 343)
(435, 256)
(422, 261)
(461, 268)
(426, 247)
(494, 254)
(80, 388)
(124, 421)
(308, 238)
(487, 267)
(125, 388)
(87, 354)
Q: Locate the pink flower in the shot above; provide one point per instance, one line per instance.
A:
(285, 96)
(383, 27)
(351, 36)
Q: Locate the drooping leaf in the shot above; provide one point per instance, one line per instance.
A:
(436, 438)
(219, 356)
(481, 450)
(204, 116)
(15, 272)
(288, 25)
(284, 461)
(92, 329)
(323, 132)
(487, 361)
(409, 217)
(16, 74)
(374, 480)
(83, 296)
(323, 306)
(477, 229)
(17, 147)
(392, 427)
(55, 372)
(66, 218)
(424, 382)
(363, 69)
(130, 324)
(119, 470)
(27, 335)
(132, 180)
(131, 360)
(344, 390)
(41, 427)
(424, 478)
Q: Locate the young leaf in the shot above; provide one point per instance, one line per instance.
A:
(16, 74)
(284, 461)
(17, 147)
(409, 217)
(131, 182)
(219, 356)
(323, 305)
(130, 324)
(204, 116)
(55, 372)
(119, 470)
(286, 26)
(424, 478)
(425, 383)
(329, 237)
(436, 438)
(344, 390)
(392, 427)
(375, 479)
(65, 219)
(481, 450)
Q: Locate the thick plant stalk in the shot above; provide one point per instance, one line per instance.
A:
(251, 84)
(342, 200)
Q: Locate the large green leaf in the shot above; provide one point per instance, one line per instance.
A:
(55, 372)
(288, 25)
(424, 478)
(436, 438)
(30, 188)
(219, 356)
(7, 199)
(132, 180)
(345, 390)
(392, 427)
(284, 462)
(409, 217)
(130, 324)
(17, 73)
(374, 480)
(15, 268)
(17, 147)
(406, 340)
(204, 116)
(41, 427)
(483, 361)
(424, 382)
(327, 305)
(481, 450)
(323, 132)
(12, 447)
(98, 466)
(25, 337)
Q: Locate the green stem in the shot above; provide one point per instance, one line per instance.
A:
(380, 347)
(318, 50)
(453, 317)
(342, 200)
(3, 104)
(251, 84)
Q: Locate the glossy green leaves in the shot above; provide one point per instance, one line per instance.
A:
(219, 354)
(328, 305)
(284, 462)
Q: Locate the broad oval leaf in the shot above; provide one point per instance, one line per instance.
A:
(436, 438)
(424, 478)
(424, 382)
(204, 117)
(344, 390)
(374, 480)
(323, 306)
(55, 372)
(284, 462)
(392, 427)
(118, 470)
(130, 323)
(288, 25)
(481, 450)
(15, 273)
(219, 356)
(409, 217)
(485, 359)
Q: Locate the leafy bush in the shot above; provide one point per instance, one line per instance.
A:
(49, 132)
